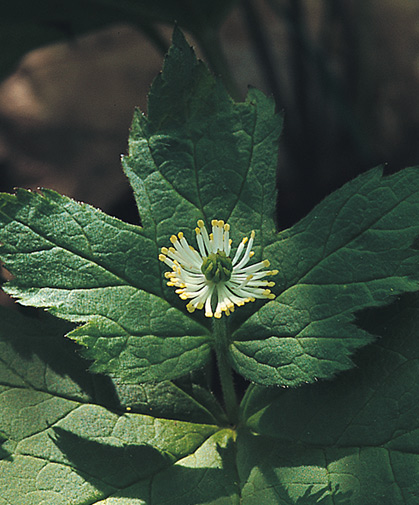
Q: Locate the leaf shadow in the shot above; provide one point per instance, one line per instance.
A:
(108, 466)
(290, 472)
(38, 339)
(5, 454)
(139, 472)
(335, 497)
(314, 420)
(33, 345)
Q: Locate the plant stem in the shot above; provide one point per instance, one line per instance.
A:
(224, 369)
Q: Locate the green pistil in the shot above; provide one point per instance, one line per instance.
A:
(217, 267)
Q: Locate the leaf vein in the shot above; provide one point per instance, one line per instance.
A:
(368, 227)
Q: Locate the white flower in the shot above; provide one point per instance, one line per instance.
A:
(209, 277)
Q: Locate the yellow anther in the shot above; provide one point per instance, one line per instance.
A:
(178, 258)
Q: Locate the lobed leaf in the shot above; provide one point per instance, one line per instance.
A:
(89, 267)
(200, 155)
(350, 442)
(353, 251)
(197, 155)
(357, 434)
(59, 446)
(87, 454)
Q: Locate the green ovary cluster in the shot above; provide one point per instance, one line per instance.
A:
(209, 278)
(217, 267)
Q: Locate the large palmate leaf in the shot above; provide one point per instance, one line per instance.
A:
(58, 445)
(197, 155)
(358, 434)
(90, 267)
(200, 155)
(350, 442)
(354, 250)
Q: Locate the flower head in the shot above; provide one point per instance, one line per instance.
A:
(208, 277)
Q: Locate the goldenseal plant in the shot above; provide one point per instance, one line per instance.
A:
(124, 394)
(210, 273)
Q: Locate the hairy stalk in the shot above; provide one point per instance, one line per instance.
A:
(225, 371)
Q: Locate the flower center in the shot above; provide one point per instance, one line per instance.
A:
(217, 267)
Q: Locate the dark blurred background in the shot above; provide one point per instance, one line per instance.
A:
(345, 73)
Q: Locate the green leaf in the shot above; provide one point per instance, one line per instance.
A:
(350, 442)
(171, 401)
(359, 432)
(35, 354)
(33, 351)
(79, 454)
(90, 268)
(200, 155)
(353, 251)
(58, 446)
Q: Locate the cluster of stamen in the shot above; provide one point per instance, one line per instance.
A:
(209, 278)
